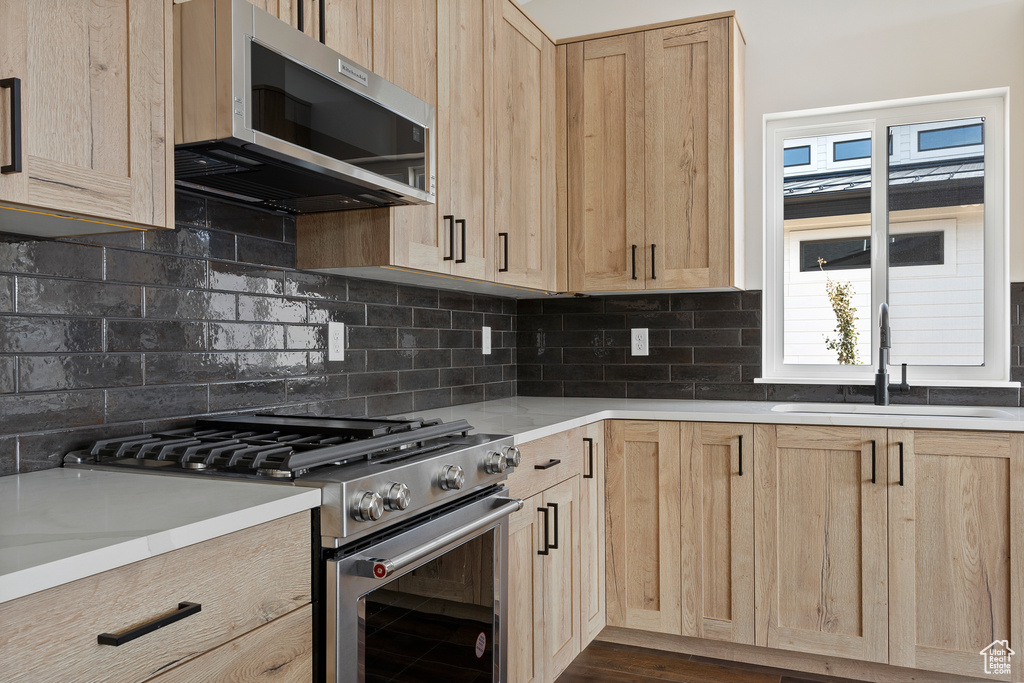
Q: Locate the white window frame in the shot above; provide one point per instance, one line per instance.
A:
(877, 117)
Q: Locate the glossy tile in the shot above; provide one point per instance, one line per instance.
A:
(369, 383)
(270, 364)
(264, 252)
(245, 337)
(236, 277)
(205, 244)
(80, 371)
(246, 395)
(9, 455)
(433, 398)
(155, 269)
(155, 335)
(20, 413)
(189, 368)
(8, 380)
(142, 403)
(49, 257)
(6, 294)
(318, 388)
(24, 334)
(301, 283)
(417, 380)
(271, 309)
(190, 304)
(73, 297)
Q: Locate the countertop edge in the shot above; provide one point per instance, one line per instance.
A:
(67, 569)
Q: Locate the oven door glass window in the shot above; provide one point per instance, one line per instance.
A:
(435, 623)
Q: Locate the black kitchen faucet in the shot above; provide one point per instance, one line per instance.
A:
(882, 386)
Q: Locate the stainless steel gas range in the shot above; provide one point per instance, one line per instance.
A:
(410, 579)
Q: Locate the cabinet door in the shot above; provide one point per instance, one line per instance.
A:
(561, 577)
(522, 134)
(821, 544)
(956, 507)
(642, 525)
(605, 102)
(405, 53)
(288, 11)
(462, 154)
(95, 89)
(687, 117)
(592, 534)
(526, 593)
(348, 29)
(717, 520)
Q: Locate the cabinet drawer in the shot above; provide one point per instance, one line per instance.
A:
(566, 447)
(241, 580)
(281, 651)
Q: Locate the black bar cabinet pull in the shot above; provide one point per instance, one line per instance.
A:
(450, 220)
(301, 16)
(323, 22)
(462, 221)
(547, 538)
(634, 261)
(551, 463)
(185, 609)
(653, 276)
(741, 454)
(872, 462)
(504, 236)
(14, 85)
(554, 506)
(901, 463)
(590, 457)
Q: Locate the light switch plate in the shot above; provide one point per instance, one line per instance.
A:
(638, 343)
(335, 341)
(485, 340)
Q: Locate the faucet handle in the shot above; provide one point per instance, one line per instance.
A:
(903, 382)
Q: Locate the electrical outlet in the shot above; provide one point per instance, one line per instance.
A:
(335, 341)
(485, 340)
(638, 344)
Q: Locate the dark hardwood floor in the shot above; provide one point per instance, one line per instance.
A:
(613, 663)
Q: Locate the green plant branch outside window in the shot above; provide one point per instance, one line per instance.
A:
(841, 295)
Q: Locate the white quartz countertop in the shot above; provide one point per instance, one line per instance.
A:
(530, 417)
(60, 525)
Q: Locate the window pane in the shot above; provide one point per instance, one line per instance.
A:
(936, 222)
(796, 156)
(944, 138)
(851, 149)
(827, 217)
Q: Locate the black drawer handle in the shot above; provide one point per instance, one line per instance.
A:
(551, 463)
(872, 462)
(547, 538)
(504, 237)
(653, 276)
(590, 457)
(450, 220)
(462, 221)
(740, 437)
(901, 463)
(14, 84)
(185, 609)
(634, 261)
(554, 506)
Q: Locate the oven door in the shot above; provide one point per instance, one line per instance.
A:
(426, 604)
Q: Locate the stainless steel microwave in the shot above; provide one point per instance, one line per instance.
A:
(266, 115)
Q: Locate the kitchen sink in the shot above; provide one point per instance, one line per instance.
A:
(868, 409)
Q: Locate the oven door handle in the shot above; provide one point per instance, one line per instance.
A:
(382, 569)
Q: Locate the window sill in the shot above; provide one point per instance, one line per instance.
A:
(893, 379)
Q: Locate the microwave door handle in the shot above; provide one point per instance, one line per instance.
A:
(383, 568)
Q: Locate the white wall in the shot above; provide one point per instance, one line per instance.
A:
(805, 54)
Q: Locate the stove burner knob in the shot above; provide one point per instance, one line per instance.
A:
(369, 508)
(452, 477)
(512, 458)
(494, 463)
(397, 497)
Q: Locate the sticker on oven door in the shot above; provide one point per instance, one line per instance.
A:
(481, 645)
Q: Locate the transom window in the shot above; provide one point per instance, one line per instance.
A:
(908, 210)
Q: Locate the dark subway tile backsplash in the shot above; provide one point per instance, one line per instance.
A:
(703, 346)
(121, 334)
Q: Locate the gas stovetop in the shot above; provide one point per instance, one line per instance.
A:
(373, 472)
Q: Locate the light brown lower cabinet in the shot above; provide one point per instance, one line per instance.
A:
(544, 584)
(245, 582)
(899, 547)
(956, 549)
(592, 534)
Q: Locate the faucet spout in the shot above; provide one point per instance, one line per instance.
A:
(882, 387)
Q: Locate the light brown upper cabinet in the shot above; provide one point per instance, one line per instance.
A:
(956, 548)
(654, 127)
(522, 168)
(821, 541)
(93, 121)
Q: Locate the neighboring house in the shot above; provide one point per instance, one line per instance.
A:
(936, 289)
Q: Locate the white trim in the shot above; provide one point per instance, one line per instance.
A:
(894, 377)
(878, 117)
